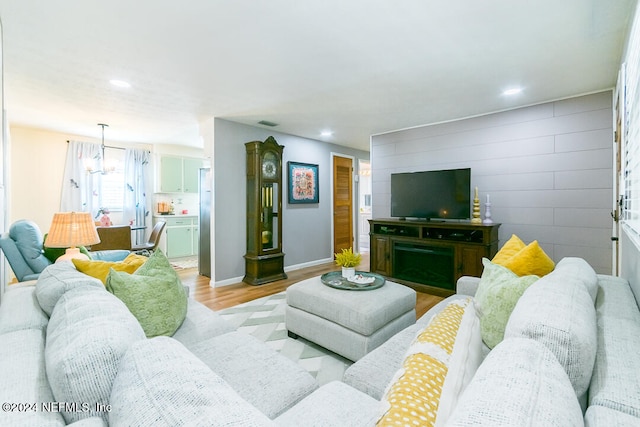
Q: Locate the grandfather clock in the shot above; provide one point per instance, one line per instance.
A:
(264, 261)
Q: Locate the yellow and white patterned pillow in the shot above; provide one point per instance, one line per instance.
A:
(438, 365)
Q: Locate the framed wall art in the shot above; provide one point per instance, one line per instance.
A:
(303, 183)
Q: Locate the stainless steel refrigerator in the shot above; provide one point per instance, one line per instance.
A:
(204, 251)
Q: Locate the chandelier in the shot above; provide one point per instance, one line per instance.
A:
(104, 166)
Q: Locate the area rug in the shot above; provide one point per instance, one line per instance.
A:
(264, 319)
(182, 264)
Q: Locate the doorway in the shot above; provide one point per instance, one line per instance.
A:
(364, 202)
(342, 203)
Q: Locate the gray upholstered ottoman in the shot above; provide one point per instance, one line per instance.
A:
(350, 323)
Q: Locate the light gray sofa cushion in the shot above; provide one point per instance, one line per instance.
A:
(57, 279)
(615, 298)
(333, 405)
(260, 375)
(160, 383)
(373, 372)
(467, 285)
(519, 383)
(560, 314)
(200, 324)
(20, 310)
(616, 378)
(599, 416)
(90, 422)
(24, 380)
(88, 333)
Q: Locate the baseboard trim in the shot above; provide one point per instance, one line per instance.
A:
(225, 282)
(307, 264)
(234, 280)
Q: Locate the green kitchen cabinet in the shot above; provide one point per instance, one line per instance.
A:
(181, 236)
(179, 174)
(179, 242)
(191, 174)
(170, 174)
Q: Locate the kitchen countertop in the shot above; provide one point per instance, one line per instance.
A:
(175, 216)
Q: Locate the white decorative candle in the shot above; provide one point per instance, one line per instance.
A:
(488, 198)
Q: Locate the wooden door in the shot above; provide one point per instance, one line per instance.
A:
(342, 203)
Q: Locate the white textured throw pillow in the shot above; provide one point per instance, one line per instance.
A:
(520, 383)
(88, 333)
(57, 279)
(577, 269)
(559, 314)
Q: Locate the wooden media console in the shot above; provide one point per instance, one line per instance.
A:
(430, 256)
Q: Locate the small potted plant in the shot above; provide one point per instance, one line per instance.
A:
(348, 260)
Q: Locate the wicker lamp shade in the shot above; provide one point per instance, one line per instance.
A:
(72, 229)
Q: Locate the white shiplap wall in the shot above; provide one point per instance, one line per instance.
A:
(548, 169)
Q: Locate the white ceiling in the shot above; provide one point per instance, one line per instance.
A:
(357, 67)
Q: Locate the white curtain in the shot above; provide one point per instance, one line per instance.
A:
(80, 188)
(137, 191)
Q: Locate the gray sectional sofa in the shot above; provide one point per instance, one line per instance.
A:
(73, 354)
(590, 322)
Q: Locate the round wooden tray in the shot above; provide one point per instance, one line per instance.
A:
(335, 280)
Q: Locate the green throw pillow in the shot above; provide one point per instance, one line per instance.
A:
(496, 297)
(154, 294)
(157, 265)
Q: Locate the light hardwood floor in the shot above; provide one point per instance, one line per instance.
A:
(228, 296)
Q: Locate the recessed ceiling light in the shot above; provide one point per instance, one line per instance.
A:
(512, 91)
(326, 133)
(119, 83)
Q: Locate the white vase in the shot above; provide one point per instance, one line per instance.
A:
(348, 272)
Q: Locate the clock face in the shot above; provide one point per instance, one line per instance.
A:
(269, 166)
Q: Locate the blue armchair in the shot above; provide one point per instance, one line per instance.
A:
(22, 245)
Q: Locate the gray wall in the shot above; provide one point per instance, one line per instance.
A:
(548, 170)
(306, 228)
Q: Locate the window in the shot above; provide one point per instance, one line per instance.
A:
(112, 191)
(630, 93)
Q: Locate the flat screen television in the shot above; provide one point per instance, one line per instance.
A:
(438, 194)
